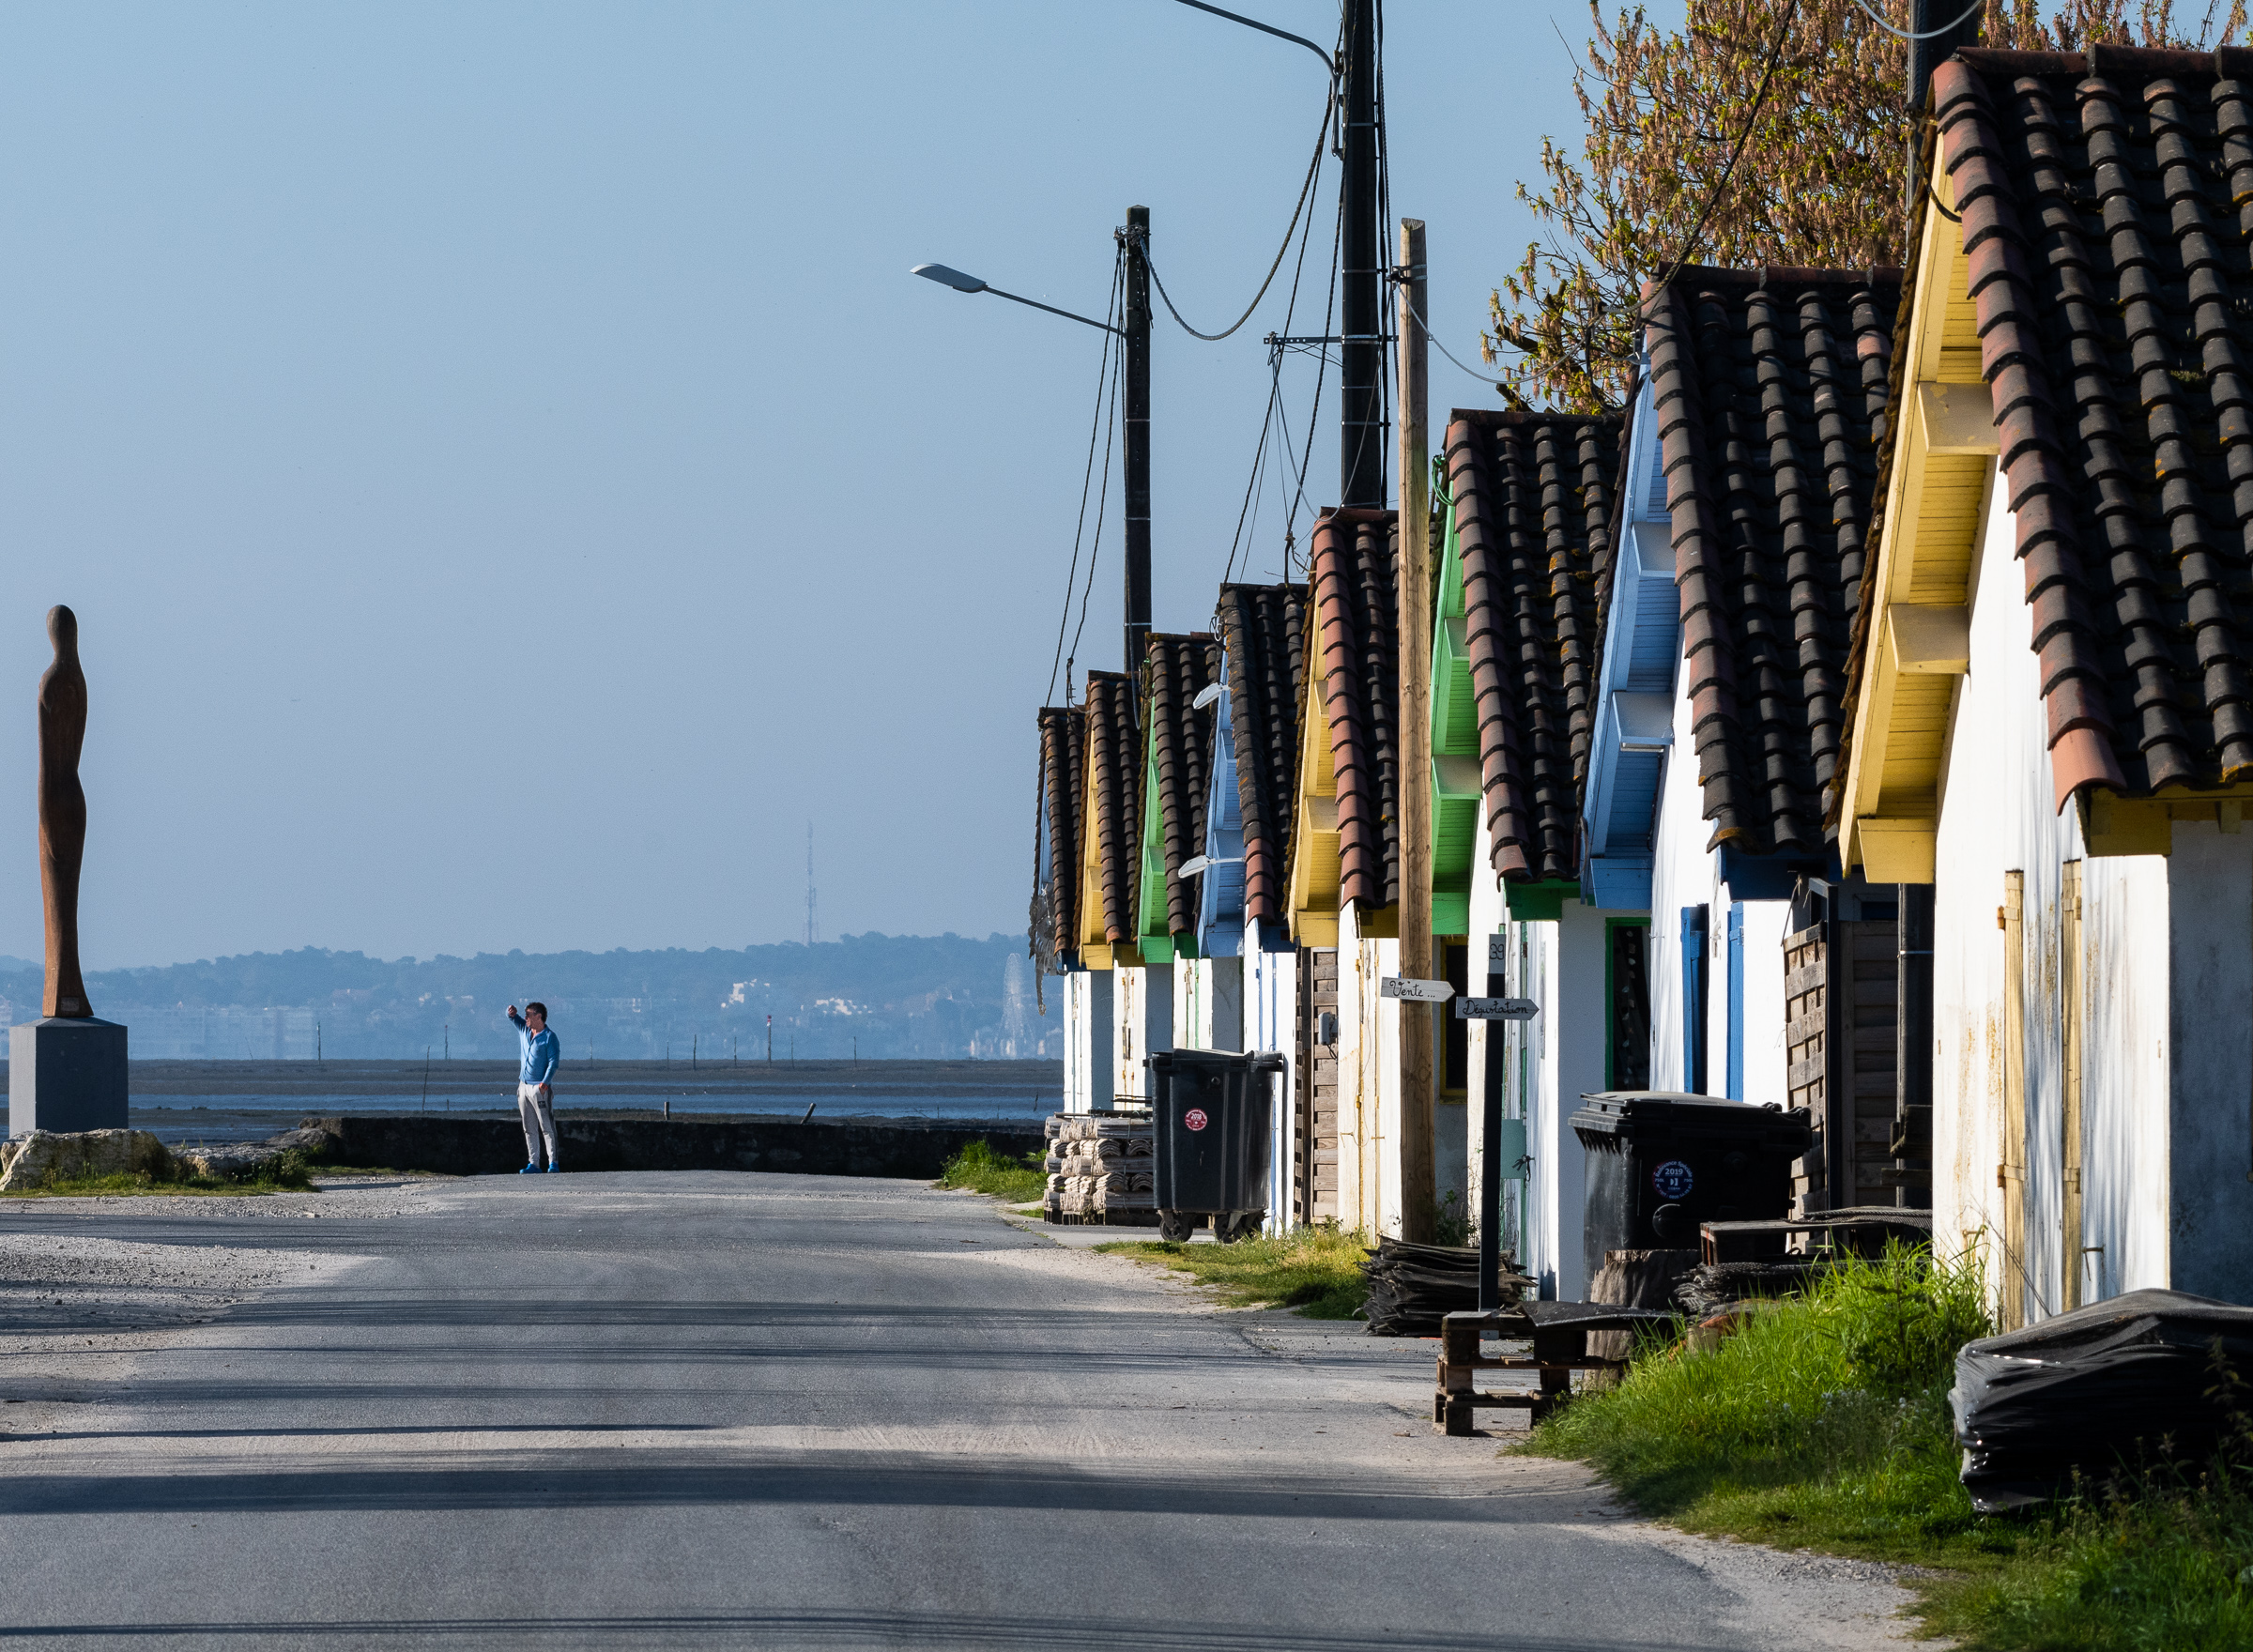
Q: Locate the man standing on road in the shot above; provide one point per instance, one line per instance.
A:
(535, 1096)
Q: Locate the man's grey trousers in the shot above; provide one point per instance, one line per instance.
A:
(537, 1104)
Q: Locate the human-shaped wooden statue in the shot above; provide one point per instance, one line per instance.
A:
(62, 815)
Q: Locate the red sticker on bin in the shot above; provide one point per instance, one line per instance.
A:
(1194, 1119)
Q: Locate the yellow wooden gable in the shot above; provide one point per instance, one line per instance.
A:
(1917, 637)
(1313, 893)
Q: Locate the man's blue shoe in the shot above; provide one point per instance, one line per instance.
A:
(552, 1166)
(530, 1170)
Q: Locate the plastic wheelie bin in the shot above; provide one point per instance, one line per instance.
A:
(1213, 1112)
(1660, 1163)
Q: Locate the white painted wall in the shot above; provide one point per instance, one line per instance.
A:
(1088, 1039)
(1684, 874)
(1270, 1019)
(2167, 975)
(1368, 1082)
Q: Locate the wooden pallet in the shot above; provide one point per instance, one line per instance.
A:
(1559, 1333)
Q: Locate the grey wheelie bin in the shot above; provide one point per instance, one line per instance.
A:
(1213, 1112)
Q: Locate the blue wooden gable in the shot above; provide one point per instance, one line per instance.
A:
(1220, 909)
(1634, 690)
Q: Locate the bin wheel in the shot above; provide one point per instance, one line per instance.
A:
(1176, 1228)
(1230, 1226)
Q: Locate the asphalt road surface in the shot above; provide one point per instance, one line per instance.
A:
(768, 1410)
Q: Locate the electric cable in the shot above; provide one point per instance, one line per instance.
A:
(1929, 34)
(1071, 576)
(1096, 549)
(1305, 191)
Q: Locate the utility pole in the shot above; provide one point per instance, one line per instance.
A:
(770, 1038)
(1138, 440)
(1360, 429)
(1418, 1195)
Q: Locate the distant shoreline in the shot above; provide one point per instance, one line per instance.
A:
(354, 1078)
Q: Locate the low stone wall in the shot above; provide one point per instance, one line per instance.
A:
(470, 1147)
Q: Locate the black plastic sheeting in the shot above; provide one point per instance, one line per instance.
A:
(1412, 1286)
(2128, 1380)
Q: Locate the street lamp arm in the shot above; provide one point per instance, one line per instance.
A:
(1052, 308)
(1327, 61)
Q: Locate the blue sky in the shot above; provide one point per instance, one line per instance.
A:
(509, 485)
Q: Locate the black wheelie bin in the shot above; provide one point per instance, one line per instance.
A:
(1213, 1112)
(1662, 1162)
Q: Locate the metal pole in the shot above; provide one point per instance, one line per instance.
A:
(1418, 1191)
(1138, 440)
(1360, 431)
(1490, 1169)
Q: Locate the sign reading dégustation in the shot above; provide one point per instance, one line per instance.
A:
(1495, 1009)
(1408, 989)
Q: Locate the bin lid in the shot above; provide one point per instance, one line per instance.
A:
(1628, 1113)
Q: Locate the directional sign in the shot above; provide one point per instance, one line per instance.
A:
(1411, 990)
(1495, 1009)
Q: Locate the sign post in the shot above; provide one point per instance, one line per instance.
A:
(1491, 1178)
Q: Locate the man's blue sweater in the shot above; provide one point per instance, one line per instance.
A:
(542, 1051)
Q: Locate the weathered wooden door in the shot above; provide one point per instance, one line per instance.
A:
(1839, 990)
(1315, 1173)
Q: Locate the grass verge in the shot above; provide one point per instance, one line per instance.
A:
(288, 1173)
(1315, 1270)
(979, 1169)
(1823, 1424)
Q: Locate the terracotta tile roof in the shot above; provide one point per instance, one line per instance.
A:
(1769, 390)
(1062, 749)
(1533, 505)
(1261, 627)
(2105, 200)
(1181, 748)
(1114, 782)
(1350, 560)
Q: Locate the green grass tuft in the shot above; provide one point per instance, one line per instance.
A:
(1315, 1270)
(286, 1173)
(1822, 1423)
(979, 1169)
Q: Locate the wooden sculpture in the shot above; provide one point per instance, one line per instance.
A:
(62, 815)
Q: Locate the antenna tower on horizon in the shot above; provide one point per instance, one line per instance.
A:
(813, 926)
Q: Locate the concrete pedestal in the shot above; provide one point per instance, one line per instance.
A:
(64, 1074)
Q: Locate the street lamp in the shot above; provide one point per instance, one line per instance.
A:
(947, 277)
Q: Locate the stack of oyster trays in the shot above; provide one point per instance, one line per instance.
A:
(1099, 1168)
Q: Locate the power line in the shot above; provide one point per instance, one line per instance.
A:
(1905, 34)
(1094, 550)
(1305, 191)
(1087, 476)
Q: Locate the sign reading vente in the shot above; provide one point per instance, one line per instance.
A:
(1410, 990)
(1495, 1009)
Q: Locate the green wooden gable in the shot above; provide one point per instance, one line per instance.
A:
(1455, 789)
(1158, 943)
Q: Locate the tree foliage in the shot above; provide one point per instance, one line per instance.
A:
(1756, 133)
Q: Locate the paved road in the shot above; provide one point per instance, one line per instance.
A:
(770, 1411)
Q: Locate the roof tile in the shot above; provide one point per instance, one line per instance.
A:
(1533, 498)
(1261, 627)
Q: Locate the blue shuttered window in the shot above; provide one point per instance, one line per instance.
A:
(1693, 999)
(1735, 1090)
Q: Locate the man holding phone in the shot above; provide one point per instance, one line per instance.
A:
(535, 1095)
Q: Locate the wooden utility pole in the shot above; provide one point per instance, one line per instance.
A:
(1418, 1198)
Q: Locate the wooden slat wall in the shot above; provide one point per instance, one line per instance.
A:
(1869, 984)
(1806, 1055)
(1843, 992)
(1315, 1178)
